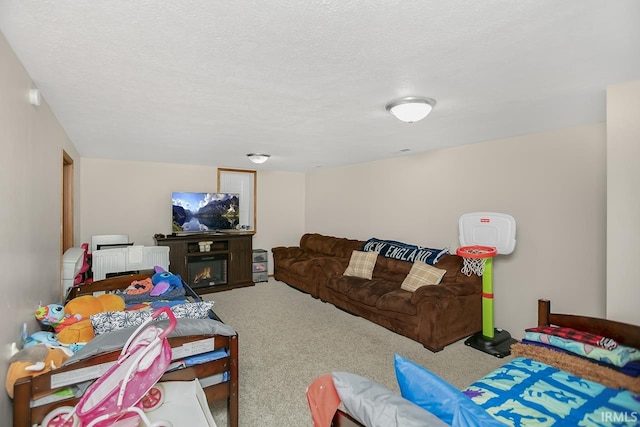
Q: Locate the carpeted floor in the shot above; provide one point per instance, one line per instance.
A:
(287, 339)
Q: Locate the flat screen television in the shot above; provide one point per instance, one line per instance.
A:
(204, 212)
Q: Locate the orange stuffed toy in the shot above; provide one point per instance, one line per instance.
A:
(32, 361)
(86, 306)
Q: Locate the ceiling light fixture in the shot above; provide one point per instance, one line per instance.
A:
(258, 157)
(411, 108)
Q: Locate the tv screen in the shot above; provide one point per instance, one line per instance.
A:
(204, 212)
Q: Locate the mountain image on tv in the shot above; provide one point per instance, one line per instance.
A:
(204, 212)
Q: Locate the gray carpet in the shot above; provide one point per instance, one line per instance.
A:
(287, 339)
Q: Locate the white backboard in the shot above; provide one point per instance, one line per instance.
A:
(493, 229)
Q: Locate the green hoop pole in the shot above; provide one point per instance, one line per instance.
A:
(487, 299)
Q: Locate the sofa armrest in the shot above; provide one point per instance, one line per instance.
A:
(461, 289)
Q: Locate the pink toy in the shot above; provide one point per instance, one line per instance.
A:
(125, 391)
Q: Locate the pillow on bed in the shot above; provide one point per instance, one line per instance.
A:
(573, 334)
(422, 274)
(619, 356)
(375, 406)
(437, 396)
(361, 264)
(115, 320)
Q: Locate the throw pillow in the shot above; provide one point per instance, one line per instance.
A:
(361, 264)
(435, 395)
(422, 274)
(375, 406)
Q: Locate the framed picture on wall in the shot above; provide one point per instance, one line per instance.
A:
(242, 182)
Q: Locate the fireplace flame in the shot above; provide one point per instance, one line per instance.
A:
(204, 274)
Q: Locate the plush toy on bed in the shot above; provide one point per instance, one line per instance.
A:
(86, 306)
(164, 282)
(54, 315)
(34, 360)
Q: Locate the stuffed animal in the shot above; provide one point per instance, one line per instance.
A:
(138, 287)
(33, 360)
(42, 337)
(86, 306)
(53, 315)
(164, 281)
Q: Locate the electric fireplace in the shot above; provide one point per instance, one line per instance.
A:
(207, 270)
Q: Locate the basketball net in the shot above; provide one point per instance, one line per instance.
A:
(474, 258)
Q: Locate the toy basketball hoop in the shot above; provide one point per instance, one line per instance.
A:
(483, 235)
(475, 257)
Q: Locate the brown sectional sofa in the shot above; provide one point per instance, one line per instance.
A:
(303, 266)
(434, 315)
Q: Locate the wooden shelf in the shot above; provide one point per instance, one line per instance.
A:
(185, 250)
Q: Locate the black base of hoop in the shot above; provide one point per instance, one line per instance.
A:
(498, 346)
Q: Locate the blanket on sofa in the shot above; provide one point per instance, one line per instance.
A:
(404, 251)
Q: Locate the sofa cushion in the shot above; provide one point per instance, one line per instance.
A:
(329, 245)
(370, 293)
(390, 269)
(398, 301)
(422, 274)
(361, 264)
(362, 290)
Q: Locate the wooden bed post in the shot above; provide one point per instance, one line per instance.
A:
(233, 381)
(544, 308)
(21, 403)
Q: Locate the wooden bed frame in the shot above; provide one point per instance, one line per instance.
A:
(623, 333)
(30, 388)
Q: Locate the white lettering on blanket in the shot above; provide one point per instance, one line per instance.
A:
(397, 252)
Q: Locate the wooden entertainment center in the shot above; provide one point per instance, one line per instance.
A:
(211, 262)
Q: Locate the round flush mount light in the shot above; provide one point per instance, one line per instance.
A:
(258, 157)
(411, 108)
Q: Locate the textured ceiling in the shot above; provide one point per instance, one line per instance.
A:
(206, 82)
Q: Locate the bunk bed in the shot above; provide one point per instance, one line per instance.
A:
(33, 400)
(576, 389)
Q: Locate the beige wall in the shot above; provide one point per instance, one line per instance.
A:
(553, 183)
(623, 201)
(32, 142)
(134, 198)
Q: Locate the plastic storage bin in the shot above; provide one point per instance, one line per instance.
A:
(259, 255)
(260, 267)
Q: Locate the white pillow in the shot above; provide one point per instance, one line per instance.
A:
(375, 406)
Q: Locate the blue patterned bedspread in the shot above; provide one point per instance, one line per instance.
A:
(524, 392)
